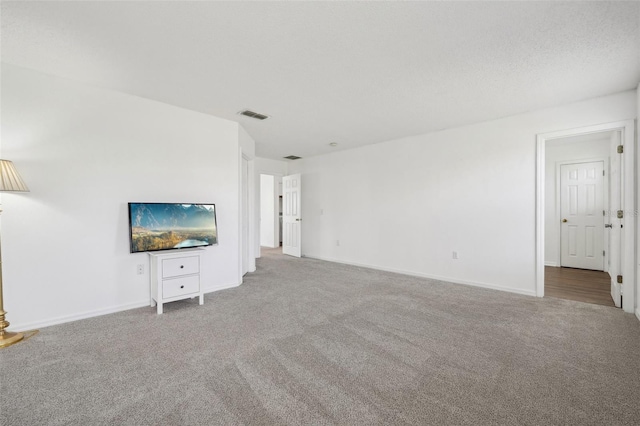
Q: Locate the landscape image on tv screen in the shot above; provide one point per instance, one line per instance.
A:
(165, 226)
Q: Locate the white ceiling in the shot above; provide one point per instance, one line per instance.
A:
(354, 73)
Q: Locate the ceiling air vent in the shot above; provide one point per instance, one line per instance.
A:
(293, 157)
(253, 114)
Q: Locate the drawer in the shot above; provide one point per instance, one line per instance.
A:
(179, 286)
(180, 266)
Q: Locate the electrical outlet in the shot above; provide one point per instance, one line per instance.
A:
(140, 269)
(454, 255)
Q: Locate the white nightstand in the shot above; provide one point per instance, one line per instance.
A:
(175, 275)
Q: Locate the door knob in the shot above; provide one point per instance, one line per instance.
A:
(298, 220)
(564, 220)
(608, 225)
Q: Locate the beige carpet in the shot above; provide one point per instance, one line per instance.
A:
(311, 342)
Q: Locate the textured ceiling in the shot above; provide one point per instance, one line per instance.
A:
(354, 73)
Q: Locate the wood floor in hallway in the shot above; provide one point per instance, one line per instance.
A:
(578, 284)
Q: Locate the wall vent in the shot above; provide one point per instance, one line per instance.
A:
(253, 114)
(292, 157)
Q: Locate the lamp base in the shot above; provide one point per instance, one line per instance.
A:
(8, 338)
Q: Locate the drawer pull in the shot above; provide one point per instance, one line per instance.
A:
(181, 266)
(181, 286)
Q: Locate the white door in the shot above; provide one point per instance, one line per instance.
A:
(615, 231)
(582, 213)
(291, 226)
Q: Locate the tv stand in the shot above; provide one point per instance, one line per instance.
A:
(175, 275)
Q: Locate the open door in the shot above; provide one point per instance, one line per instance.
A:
(614, 223)
(291, 235)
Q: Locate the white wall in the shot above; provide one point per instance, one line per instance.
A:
(555, 152)
(275, 168)
(247, 144)
(85, 152)
(271, 167)
(406, 205)
(267, 211)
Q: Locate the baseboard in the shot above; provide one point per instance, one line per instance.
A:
(80, 316)
(220, 287)
(554, 264)
(638, 313)
(433, 277)
(99, 312)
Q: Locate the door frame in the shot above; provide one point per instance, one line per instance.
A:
(628, 256)
(558, 197)
(246, 216)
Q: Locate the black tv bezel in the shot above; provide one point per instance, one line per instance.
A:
(215, 219)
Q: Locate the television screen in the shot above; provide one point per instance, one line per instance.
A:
(166, 226)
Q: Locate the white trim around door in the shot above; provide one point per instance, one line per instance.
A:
(628, 196)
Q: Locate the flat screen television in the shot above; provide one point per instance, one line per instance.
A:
(169, 226)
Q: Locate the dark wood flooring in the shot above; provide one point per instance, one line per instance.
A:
(578, 284)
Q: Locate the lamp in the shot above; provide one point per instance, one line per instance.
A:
(10, 181)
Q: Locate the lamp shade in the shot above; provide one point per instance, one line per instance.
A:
(10, 180)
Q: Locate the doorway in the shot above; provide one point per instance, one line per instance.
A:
(578, 246)
(584, 245)
(270, 210)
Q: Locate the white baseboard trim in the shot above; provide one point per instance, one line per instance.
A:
(220, 287)
(79, 316)
(99, 312)
(554, 264)
(638, 313)
(433, 277)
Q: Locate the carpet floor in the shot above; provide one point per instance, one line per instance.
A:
(304, 341)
